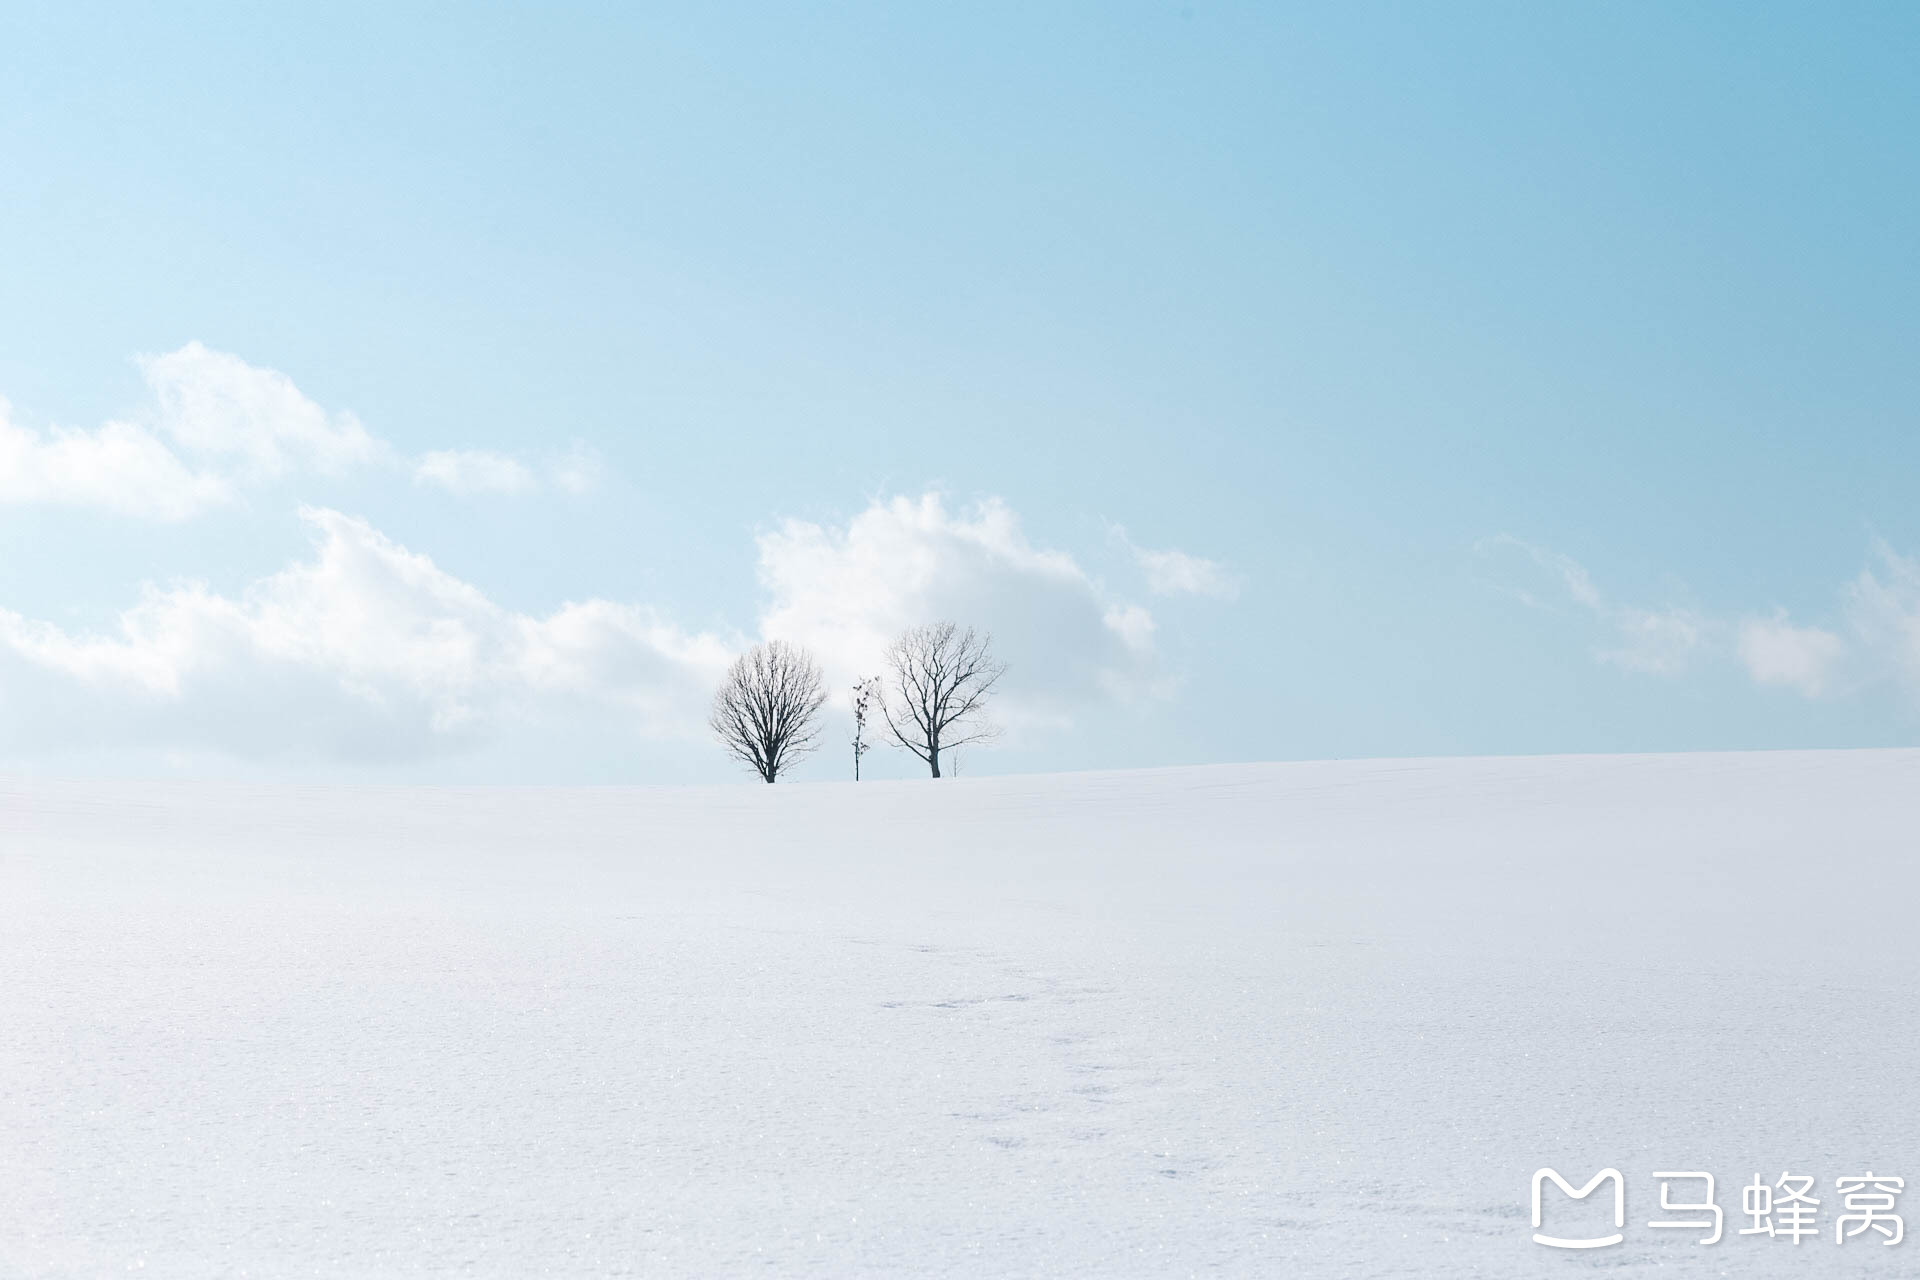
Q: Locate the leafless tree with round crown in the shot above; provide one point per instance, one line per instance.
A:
(767, 712)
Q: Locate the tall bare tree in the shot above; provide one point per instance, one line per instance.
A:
(767, 713)
(939, 680)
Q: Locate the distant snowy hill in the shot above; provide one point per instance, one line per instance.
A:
(1279, 1020)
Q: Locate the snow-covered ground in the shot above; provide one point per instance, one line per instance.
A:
(1277, 1020)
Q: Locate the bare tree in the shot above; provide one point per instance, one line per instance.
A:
(767, 713)
(940, 678)
(866, 693)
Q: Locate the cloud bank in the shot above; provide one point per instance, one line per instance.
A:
(364, 650)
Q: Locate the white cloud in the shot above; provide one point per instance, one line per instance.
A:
(1661, 642)
(482, 471)
(217, 425)
(1775, 652)
(846, 592)
(1572, 577)
(1176, 573)
(218, 406)
(1134, 626)
(578, 470)
(1877, 641)
(1651, 641)
(121, 467)
(1883, 611)
(474, 471)
(365, 650)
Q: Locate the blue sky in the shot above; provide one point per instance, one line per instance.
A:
(1486, 379)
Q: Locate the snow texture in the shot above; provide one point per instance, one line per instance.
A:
(1279, 1020)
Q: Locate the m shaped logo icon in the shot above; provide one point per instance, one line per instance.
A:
(1619, 1207)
